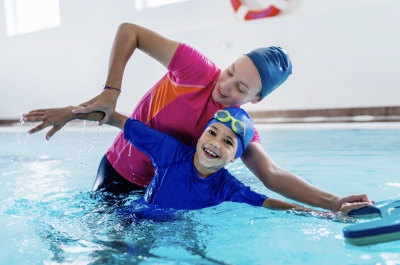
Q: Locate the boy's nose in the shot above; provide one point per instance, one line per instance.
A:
(215, 144)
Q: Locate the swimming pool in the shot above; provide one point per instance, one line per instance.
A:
(48, 216)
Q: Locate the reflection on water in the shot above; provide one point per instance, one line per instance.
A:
(100, 228)
(48, 215)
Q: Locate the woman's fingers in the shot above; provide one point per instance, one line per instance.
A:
(347, 207)
(105, 118)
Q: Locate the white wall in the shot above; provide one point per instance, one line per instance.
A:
(344, 53)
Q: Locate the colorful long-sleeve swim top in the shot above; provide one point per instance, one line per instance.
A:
(180, 105)
(176, 183)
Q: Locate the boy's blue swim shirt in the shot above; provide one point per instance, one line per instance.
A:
(176, 183)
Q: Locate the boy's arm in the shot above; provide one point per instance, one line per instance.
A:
(275, 204)
(57, 117)
(289, 184)
(117, 120)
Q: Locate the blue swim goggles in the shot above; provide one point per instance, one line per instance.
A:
(236, 125)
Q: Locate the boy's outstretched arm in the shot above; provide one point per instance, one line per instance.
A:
(57, 117)
(117, 120)
(275, 204)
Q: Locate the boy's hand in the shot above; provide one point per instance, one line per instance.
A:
(56, 117)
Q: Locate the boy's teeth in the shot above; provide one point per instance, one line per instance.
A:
(211, 153)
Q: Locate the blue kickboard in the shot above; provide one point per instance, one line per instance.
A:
(386, 229)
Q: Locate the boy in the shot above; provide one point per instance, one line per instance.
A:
(194, 178)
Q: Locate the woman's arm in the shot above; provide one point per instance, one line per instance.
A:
(289, 184)
(129, 37)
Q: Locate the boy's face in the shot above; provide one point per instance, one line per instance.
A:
(215, 149)
(238, 84)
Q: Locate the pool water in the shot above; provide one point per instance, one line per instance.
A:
(49, 216)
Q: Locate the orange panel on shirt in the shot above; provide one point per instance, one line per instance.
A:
(165, 93)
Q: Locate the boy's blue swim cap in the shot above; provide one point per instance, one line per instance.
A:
(273, 65)
(243, 134)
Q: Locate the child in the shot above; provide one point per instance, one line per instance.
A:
(194, 178)
(180, 104)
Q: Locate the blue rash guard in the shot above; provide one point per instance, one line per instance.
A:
(176, 183)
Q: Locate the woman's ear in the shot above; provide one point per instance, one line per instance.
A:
(255, 101)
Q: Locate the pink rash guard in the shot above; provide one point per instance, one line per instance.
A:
(180, 105)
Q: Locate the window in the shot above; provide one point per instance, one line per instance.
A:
(23, 16)
(142, 4)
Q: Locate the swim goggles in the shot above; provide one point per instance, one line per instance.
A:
(236, 125)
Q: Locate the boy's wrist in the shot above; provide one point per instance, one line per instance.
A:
(92, 116)
(117, 120)
(71, 116)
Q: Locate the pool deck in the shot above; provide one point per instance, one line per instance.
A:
(304, 126)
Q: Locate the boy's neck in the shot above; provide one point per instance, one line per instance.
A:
(201, 175)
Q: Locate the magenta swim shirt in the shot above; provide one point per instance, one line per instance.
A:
(180, 104)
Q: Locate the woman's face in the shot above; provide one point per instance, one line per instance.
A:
(238, 84)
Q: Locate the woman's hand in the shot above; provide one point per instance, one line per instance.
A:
(361, 199)
(105, 102)
(348, 207)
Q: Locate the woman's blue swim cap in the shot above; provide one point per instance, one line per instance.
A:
(273, 65)
(241, 115)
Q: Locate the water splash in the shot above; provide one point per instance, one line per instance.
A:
(43, 154)
(86, 148)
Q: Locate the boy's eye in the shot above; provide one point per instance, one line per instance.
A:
(229, 142)
(211, 132)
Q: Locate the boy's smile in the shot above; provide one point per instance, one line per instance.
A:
(215, 149)
(210, 153)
